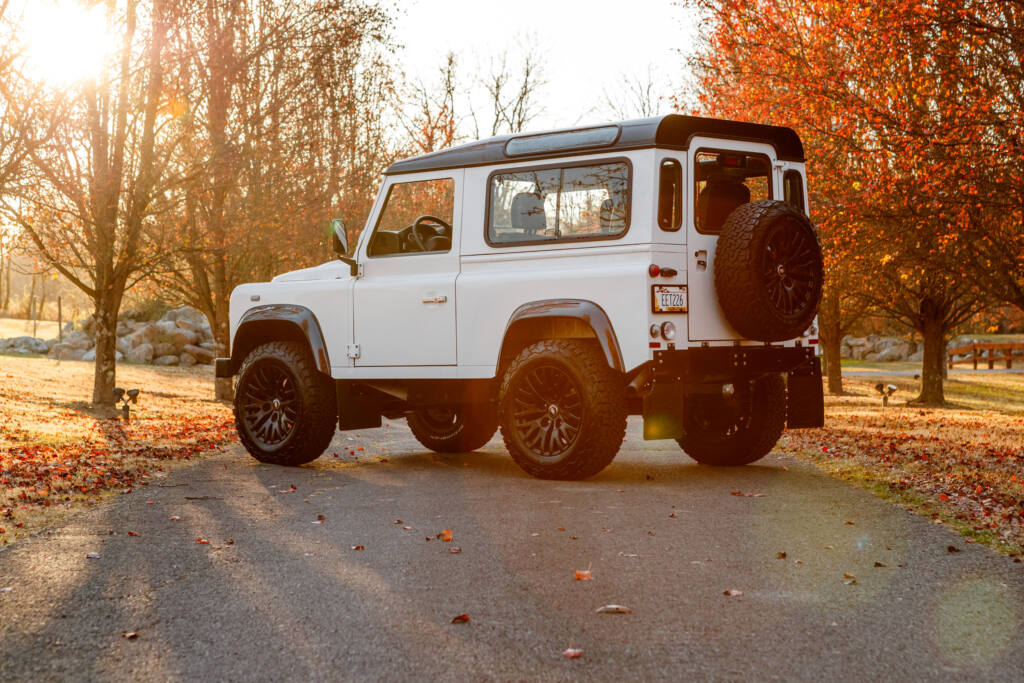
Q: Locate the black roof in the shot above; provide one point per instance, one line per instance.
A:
(673, 131)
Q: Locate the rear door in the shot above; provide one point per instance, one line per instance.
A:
(724, 175)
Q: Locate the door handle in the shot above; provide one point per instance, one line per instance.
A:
(435, 299)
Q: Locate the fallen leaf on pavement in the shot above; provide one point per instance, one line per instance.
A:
(613, 609)
(732, 592)
(130, 635)
(780, 556)
(848, 523)
(358, 547)
(850, 582)
(290, 489)
(828, 547)
(6, 589)
(952, 549)
(460, 619)
(202, 540)
(879, 564)
(735, 493)
(582, 575)
(132, 533)
(445, 535)
(174, 518)
(572, 653)
(455, 550)
(847, 576)
(629, 554)
(320, 518)
(93, 556)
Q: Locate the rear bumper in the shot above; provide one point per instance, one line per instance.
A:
(700, 374)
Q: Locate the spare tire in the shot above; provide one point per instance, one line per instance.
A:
(768, 271)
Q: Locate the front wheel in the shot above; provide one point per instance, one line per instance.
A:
(284, 408)
(562, 410)
(454, 429)
(719, 435)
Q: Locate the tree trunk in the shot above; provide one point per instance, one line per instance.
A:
(830, 338)
(934, 334)
(105, 373)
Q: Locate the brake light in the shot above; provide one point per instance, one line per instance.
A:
(654, 270)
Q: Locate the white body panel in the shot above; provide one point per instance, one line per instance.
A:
(399, 336)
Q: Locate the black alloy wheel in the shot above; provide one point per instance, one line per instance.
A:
(270, 405)
(548, 410)
(789, 262)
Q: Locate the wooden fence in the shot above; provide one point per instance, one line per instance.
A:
(989, 353)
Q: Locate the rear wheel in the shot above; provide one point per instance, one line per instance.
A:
(719, 435)
(454, 429)
(562, 410)
(284, 408)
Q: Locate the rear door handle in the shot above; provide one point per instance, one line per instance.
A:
(435, 299)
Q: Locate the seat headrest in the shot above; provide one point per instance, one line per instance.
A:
(613, 218)
(527, 212)
(718, 200)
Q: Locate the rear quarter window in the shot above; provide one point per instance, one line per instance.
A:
(559, 203)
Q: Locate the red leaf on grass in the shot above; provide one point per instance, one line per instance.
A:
(460, 619)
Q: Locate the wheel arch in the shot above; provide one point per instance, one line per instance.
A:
(559, 319)
(279, 322)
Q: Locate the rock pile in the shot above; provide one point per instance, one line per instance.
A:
(181, 337)
(884, 349)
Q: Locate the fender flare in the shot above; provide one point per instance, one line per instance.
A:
(296, 322)
(586, 311)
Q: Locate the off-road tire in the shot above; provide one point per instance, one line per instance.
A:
(313, 395)
(768, 271)
(751, 439)
(471, 427)
(590, 390)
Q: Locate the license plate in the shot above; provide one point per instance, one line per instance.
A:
(669, 298)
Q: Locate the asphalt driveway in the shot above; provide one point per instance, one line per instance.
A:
(335, 571)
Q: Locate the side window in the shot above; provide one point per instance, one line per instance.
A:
(559, 204)
(670, 195)
(724, 182)
(793, 188)
(398, 232)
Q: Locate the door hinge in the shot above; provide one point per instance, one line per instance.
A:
(353, 350)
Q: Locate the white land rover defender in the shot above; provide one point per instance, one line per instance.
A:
(551, 285)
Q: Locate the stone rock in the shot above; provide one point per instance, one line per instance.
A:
(168, 327)
(28, 345)
(124, 345)
(164, 349)
(72, 354)
(201, 354)
(188, 313)
(143, 353)
(183, 338)
(166, 360)
(68, 328)
(78, 340)
(90, 355)
(187, 360)
(211, 345)
(122, 328)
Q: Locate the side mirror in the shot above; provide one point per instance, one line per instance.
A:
(340, 238)
(339, 241)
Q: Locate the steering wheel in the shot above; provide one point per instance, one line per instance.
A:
(421, 223)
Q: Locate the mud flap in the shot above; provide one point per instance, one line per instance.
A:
(663, 411)
(806, 398)
(355, 411)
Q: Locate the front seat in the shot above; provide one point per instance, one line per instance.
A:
(719, 199)
(527, 213)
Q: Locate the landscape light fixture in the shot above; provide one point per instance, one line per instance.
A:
(886, 390)
(129, 396)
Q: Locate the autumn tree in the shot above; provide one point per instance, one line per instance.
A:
(894, 118)
(278, 98)
(92, 185)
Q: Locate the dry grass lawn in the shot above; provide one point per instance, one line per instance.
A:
(962, 464)
(13, 327)
(57, 453)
